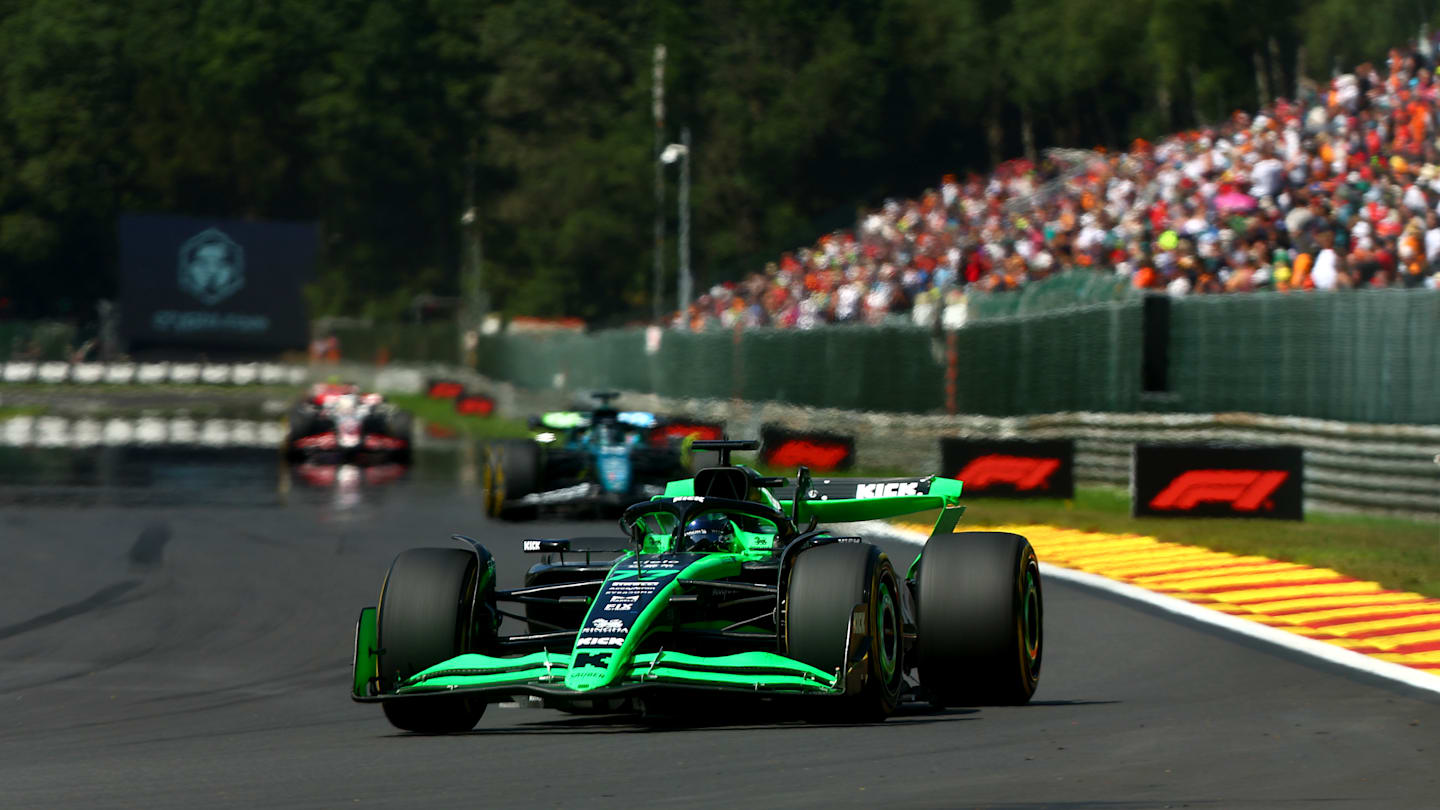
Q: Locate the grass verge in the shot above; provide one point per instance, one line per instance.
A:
(7, 412)
(1397, 553)
(441, 412)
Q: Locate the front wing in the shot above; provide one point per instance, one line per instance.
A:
(543, 673)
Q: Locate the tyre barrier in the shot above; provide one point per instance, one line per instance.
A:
(54, 373)
(62, 432)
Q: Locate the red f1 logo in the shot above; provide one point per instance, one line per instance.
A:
(1023, 472)
(1244, 490)
(445, 389)
(683, 430)
(795, 452)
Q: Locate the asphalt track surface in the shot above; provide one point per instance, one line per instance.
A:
(179, 656)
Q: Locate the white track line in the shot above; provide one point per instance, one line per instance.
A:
(1315, 648)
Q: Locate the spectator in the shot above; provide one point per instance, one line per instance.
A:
(1338, 189)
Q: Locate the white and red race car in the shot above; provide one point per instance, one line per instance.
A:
(336, 422)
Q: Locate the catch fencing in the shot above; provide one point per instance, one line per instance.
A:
(1363, 356)
(1060, 291)
(1371, 356)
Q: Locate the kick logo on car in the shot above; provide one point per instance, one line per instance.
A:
(600, 641)
(892, 489)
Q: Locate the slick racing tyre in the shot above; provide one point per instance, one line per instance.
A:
(303, 422)
(981, 619)
(427, 614)
(511, 471)
(399, 425)
(825, 584)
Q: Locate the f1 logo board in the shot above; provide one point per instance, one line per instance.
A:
(1195, 480)
(1011, 468)
(820, 451)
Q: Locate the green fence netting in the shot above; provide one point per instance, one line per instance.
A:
(871, 369)
(1366, 356)
(1061, 291)
(1082, 359)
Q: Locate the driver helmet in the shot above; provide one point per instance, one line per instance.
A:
(712, 532)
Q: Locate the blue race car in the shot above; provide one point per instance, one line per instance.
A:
(601, 460)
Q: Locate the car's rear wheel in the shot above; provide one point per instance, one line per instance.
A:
(981, 619)
(825, 585)
(428, 614)
(511, 470)
(399, 425)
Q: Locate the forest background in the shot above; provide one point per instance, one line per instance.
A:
(384, 120)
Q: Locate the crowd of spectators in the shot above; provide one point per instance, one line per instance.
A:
(1338, 190)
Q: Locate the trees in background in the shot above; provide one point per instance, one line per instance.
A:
(371, 118)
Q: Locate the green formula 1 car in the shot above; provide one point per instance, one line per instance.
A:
(725, 586)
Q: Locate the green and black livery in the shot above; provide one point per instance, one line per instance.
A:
(789, 611)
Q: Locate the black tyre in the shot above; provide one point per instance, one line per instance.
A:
(303, 422)
(428, 614)
(981, 619)
(400, 425)
(511, 470)
(825, 584)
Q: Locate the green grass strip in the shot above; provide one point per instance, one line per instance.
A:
(442, 412)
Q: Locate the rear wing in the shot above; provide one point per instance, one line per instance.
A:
(840, 500)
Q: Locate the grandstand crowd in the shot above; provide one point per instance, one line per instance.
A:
(1338, 190)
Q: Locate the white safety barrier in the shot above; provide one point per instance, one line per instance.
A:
(120, 373)
(19, 372)
(54, 372)
(152, 373)
(184, 373)
(56, 431)
(160, 373)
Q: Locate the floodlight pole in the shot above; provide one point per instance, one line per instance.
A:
(475, 303)
(658, 108)
(685, 282)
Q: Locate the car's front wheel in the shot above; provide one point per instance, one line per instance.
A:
(825, 585)
(428, 614)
